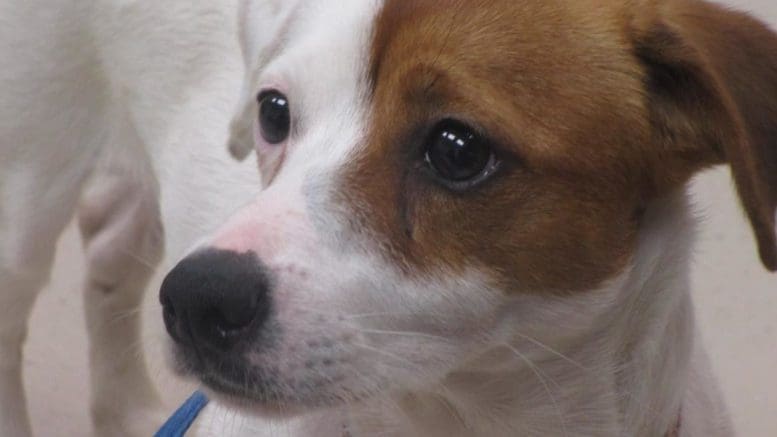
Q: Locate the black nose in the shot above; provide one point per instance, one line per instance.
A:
(214, 299)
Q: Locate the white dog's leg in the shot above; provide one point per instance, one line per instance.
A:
(35, 206)
(120, 223)
(18, 290)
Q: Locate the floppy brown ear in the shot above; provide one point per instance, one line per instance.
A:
(711, 82)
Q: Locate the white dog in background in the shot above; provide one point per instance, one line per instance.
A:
(93, 95)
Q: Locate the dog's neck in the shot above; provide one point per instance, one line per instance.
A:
(623, 376)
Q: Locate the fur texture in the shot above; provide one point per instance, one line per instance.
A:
(94, 95)
(552, 300)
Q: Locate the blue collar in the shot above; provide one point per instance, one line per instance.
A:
(183, 419)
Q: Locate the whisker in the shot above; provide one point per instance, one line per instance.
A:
(405, 334)
(383, 314)
(553, 351)
(151, 265)
(544, 382)
(121, 316)
(386, 353)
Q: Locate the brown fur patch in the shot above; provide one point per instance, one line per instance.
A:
(561, 90)
(737, 56)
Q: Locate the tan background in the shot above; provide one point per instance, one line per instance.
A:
(737, 311)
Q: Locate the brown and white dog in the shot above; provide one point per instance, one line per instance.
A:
(475, 221)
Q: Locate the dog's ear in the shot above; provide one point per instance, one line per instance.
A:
(260, 24)
(711, 87)
(241, 137)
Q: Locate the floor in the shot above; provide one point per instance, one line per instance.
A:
(737, 303)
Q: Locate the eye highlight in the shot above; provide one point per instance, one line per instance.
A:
(274, 117)
(458, 155)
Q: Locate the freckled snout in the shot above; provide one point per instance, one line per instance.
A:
(216, 299)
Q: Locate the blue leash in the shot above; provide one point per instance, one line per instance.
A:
(183, 419)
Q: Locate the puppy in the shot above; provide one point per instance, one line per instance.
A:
(475, 220)
(93, 95)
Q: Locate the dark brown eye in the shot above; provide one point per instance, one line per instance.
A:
(458, 154)
(274, 117)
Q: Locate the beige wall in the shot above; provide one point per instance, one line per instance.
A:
(766, 9)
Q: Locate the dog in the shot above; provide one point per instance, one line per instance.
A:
(475, 220)
(95, 97)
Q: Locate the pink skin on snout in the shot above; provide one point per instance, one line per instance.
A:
(278, 230)
(266, 226)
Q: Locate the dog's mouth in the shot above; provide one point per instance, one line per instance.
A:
(229, 376)
(243, 381)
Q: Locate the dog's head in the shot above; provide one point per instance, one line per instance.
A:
(443, 176)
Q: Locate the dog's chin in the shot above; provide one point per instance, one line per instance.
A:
(241, 397)
(274, 408)
(247, 406)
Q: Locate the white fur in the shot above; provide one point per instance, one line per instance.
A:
(108, 97)
(447, 355)
(93, 94)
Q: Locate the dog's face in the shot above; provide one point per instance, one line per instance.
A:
(444, 179)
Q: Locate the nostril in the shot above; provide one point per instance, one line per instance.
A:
(171, 319)
(167, 307)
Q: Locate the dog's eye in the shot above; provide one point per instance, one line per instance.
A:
(458, 155)
(274, 117)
